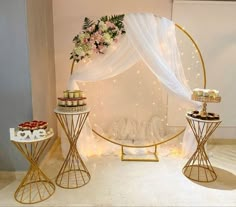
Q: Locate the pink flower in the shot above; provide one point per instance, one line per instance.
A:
(100, 48)
(90, 29)
(115, 40)
(85, 40)
(98, 37)
(95, 50)
(110, 24)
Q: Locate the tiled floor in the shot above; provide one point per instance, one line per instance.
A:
(117, 183)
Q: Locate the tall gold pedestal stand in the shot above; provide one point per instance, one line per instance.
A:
(199, 167)
(35, 186)
(73, 173)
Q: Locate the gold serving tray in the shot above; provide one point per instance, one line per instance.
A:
(206, 99)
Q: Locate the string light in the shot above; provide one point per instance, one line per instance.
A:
(158, 104)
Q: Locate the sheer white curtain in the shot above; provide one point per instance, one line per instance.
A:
(151, 39)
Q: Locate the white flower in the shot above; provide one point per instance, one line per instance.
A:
(107, 38)
(79, 51)
(102, 26)
(83, 36)
(87, 49)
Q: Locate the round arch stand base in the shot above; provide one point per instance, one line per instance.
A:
(152, 157)
(143, 158)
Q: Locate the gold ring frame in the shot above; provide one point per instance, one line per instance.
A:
(155, 156)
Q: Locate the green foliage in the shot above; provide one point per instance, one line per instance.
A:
(87, 23)
(116, 19)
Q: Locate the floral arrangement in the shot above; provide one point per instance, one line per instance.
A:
(96, 36)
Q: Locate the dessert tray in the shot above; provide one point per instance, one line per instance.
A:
(33, 125)
(209, 116)
(205, 96)
(31, 131)
(72, 101)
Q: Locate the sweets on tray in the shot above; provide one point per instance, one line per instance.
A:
(208, 116)
(206, 95)
(72, 101)
(72, 98)
(33, 125)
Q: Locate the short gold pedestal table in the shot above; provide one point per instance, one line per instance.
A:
(73, 173)
(35, 186)
(198, 167)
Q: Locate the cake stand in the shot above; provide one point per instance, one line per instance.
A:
(205, 100)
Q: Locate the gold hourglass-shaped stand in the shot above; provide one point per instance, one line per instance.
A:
(35, 186)
(73, 173)
(199, 167)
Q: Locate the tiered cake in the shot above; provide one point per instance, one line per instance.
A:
(72, 101)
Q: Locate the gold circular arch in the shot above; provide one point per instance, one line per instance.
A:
(178, 133)
(198, 50)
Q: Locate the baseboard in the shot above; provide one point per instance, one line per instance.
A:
(222, 141)
(12, 175)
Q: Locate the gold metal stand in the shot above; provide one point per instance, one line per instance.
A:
(73, 173)
(154, 155)
(199, 168)
(35, 186)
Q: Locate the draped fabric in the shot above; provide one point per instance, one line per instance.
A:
(151, 39)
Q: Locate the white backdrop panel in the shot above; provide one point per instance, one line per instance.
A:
(212, 26)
